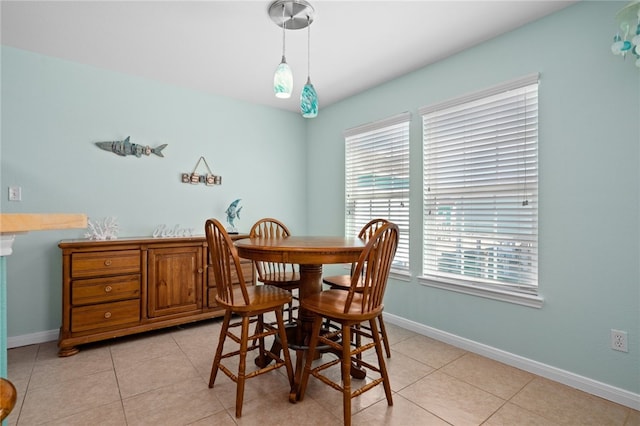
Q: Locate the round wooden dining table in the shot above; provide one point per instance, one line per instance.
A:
(310, 253)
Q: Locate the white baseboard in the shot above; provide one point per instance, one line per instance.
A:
(32, 339)
(594, 387)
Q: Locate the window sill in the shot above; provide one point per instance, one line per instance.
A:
(400, 275)
(396, 274)
(529, 300)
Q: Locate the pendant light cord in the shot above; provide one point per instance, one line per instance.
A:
(284, 29)
(308, 47)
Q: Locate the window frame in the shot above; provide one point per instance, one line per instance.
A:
(367, 153)
(476, 274)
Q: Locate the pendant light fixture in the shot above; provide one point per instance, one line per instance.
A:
(294, 15)
(308, 96)
(283, 77)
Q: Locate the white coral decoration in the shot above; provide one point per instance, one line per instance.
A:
(102, 229)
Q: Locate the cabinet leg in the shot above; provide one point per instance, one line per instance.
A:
(64, 352)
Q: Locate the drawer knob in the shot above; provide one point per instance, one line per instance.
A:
(107, 262)
(200, 270)
(108, 289)
(107, 315)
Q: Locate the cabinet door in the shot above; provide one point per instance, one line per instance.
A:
(174, 281)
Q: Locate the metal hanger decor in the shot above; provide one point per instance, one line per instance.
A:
(195, 178)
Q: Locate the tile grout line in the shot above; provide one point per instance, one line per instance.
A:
(115, 373)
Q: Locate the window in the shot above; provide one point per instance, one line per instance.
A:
(377, 179)
(480, 193)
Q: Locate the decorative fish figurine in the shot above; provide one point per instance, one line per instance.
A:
(125, 148)
(233, 212)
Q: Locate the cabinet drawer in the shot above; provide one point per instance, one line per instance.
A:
(105, 315)
(247, 273)
(100, 290)
(105, 263)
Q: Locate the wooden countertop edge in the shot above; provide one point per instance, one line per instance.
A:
(25, 222)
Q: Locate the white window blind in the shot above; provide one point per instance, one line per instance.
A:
(480, 189)
(377, 179)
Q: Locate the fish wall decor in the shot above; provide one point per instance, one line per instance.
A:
(233, 213)
(124, 148)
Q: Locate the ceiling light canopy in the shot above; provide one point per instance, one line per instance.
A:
(294, 15)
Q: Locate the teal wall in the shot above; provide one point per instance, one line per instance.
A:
(53, 110)
(52, 113)
(589, 227)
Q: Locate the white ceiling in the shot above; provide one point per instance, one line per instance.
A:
(232, 48)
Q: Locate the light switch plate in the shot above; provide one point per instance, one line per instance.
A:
(15, 193)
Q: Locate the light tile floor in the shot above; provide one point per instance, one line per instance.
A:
(160, 378)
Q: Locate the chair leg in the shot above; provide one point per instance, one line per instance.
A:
(346, 373)
(282, 332)
(291, 307)
(358, 340)
(290, 310)
(385, 339)
(218, 356)
(381, 364)
(294, 395)
(357, 370)
(255, 331)
(315, 333)
(262, 355)
(327, 324)
(244, 340)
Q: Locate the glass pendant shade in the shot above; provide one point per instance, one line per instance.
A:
(309, 101)
(309, 96)
(283, 80)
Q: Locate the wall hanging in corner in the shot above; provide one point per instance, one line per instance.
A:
(125, 148)
(208, 178)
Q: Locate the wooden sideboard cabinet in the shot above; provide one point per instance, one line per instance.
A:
(119, 287)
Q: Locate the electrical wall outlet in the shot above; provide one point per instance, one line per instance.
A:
(619, 340)
(15, 193)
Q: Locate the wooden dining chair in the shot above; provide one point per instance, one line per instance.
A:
(283, 275)
(8, 396)
(250, 303)
(349, 308)
(343, 282)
